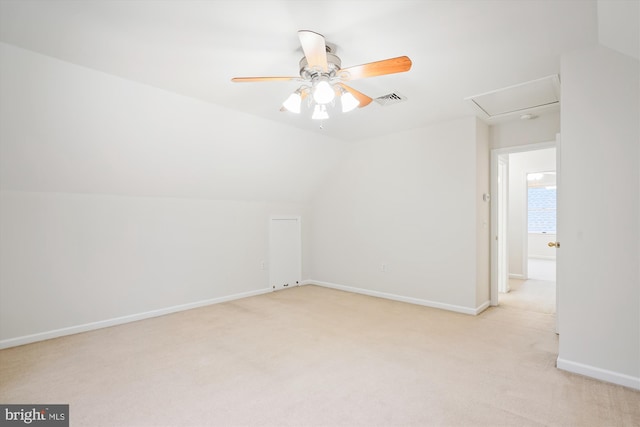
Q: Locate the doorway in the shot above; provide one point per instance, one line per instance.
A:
(541, 224)
(523, 179)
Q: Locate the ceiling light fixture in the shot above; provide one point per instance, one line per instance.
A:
(349, 102)
(293, 102)
(323, 92)
(320, 112)
(323, 78)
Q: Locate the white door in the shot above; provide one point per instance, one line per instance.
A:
(499, 223)
(285, 252)
(558, 254)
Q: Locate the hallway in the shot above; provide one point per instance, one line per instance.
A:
(538, 293)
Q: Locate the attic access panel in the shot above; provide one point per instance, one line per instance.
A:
(522, 98)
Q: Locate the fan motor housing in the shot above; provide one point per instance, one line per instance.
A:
(333, 66)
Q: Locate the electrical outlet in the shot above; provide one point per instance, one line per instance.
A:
(383, 267)
(262, 265)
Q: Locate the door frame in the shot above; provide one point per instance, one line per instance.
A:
(502, 224)
(496, 153)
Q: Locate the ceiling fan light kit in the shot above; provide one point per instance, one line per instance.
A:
(320, 112)
(293, 102)
(323, 78)
(323, 92)
(349, 102)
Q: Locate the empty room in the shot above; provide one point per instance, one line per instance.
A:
(319, 213)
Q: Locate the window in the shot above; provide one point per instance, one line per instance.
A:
(541, 196)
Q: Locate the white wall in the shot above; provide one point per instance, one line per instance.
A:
(618, 27)
(408, 201)
(483, 214)
(67, 128)
(523, 132)
(521, 164)
(120, 199)
(71, 259)
(538, 246)
(598, 263)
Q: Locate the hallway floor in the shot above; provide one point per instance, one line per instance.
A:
(538, 293)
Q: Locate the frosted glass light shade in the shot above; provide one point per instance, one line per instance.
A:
(349, 102)
(323, 92)
(293, 102)
(320, 112)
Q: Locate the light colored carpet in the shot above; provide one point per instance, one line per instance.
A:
(531, 295)
(536, 294)
(311, 356)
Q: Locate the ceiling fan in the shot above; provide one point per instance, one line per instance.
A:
(323, 79)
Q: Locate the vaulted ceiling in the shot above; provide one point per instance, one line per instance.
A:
(458, 49)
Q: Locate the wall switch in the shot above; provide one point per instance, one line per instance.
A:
(262, 265)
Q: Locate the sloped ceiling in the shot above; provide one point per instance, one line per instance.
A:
(619, 26)
(194, 48)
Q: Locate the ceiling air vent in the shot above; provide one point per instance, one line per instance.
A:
(391, 98)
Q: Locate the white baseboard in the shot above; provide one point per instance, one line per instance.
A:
(544, 257)
(598, 373)
(27, 339)
(517, 276)
(482, 307)
(411, 300)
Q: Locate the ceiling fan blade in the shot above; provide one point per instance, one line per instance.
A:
(378, 68)
(361, 97)
(315, 49)
(262, 79)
